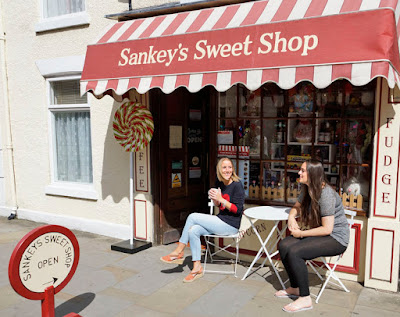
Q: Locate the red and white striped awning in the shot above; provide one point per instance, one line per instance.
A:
(280, 41)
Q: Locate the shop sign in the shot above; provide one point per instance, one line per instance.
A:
(294, 43)
(387, 168)
(141, 171)
(42, 264)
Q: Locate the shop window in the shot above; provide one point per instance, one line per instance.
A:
(270, 132)
(71, 150)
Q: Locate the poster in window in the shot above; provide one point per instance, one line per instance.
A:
(175, 136)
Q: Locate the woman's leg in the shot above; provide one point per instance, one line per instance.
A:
(202, 224)
(284, 247)
(307, 249)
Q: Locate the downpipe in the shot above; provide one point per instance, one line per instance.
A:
(7, 119)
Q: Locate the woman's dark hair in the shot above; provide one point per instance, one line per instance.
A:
(310, 214)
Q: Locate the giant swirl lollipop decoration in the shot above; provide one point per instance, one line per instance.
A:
(133, 126)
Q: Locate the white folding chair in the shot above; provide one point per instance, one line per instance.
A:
(210, 241)
(330, 270)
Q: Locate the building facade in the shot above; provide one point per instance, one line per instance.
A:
(62, 164)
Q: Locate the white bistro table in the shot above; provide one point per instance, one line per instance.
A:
(270, 213)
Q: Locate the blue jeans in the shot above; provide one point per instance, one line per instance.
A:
(197, 225)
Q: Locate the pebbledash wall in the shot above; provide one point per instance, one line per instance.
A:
(36, 50)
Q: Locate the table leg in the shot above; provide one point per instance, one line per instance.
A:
(263, 247)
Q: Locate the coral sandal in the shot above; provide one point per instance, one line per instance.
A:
(173, 258)
(193, 276)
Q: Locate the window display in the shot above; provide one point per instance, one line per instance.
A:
(270, 132)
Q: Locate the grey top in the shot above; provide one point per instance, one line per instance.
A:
(330, 204)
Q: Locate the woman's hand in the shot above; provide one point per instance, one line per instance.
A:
(297, 233)
(215, 195)
(292, 224)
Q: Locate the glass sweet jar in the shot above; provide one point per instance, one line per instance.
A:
(303, 131)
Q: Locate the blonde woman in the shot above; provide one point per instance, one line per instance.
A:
(228, 195)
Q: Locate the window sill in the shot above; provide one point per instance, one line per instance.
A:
(63, 21)
(73, 190)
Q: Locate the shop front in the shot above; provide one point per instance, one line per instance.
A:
(269, 86)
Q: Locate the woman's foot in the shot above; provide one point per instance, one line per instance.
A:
(289, 292)
(194, 275)
(174, 258)
(300, 304)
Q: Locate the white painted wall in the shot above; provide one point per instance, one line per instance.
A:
(109, 214)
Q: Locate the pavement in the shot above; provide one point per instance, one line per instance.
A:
(111, 283)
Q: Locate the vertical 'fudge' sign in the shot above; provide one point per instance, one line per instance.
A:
(46, 256)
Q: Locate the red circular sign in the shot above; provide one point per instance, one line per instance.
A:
(46, 256)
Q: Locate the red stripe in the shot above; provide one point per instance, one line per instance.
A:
(91, 85)
(316, 8)
(182, 80)
(233, 209)
(200, 20)
(350, 5)
(175, 23)
(151, 28)
(388, 4)
(226, 17)
(239, 77)
(157, 82)
(255, 13)
(112, 84)
(379, 69)
(284, 10)
(209, 79)
(110, 33)
(304, 73)
(130, 30)
(270, 75)
(133, 83)
(341, 71)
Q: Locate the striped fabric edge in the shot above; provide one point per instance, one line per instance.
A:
(358, 74)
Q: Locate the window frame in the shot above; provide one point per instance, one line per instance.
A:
(56, 187)
(61, 21)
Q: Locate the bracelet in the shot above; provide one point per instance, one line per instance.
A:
(223, 205)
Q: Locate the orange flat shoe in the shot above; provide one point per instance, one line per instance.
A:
(193, 276)
(173, 258)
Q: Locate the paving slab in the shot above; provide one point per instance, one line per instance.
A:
(175, 296)
(379, 299)
(225, 299)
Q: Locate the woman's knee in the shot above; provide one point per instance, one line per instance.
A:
(285, 245)
(195, 231)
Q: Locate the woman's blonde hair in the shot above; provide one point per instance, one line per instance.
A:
(234, 176)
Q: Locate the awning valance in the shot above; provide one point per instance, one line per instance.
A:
(281, 41)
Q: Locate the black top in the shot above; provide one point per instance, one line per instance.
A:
(234, 193)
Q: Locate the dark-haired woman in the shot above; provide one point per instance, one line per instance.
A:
(320, 211)
(228, 194)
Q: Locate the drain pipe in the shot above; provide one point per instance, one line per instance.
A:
(7, 118)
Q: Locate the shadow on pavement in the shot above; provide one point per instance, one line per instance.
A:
(75, 304)
(179, 268)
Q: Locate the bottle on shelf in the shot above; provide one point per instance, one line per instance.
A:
(321, 134)
(279, 133)
(328, 132)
